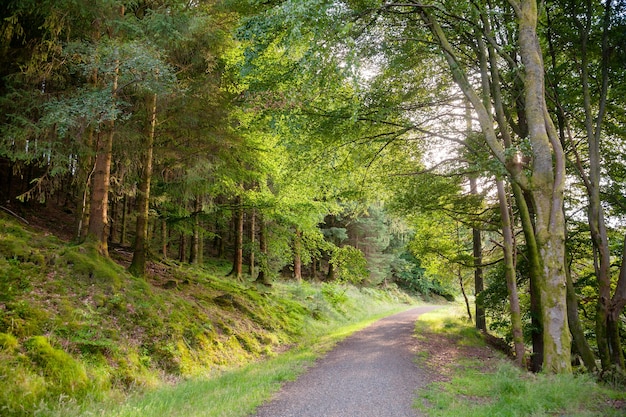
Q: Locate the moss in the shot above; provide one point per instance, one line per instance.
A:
(87, 264)
(8, 343)
(23, 318)
(64, 372)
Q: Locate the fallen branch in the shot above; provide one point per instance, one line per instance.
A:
(12, 213)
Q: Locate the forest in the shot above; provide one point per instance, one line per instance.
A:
(471, 149)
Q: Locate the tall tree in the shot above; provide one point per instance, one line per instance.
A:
(590, 31)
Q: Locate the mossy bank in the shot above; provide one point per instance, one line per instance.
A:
(74, 325)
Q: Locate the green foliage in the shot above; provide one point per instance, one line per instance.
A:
(334, 294)
(350, 264)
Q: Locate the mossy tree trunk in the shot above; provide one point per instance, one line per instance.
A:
(544, 179)
(508, 248)
(546, 188)
(140, 247)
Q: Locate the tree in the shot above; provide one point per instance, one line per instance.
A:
(582, 108)
(541, 179)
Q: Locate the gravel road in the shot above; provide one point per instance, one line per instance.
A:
(370, 374)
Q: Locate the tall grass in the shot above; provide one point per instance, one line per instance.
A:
(507, 391)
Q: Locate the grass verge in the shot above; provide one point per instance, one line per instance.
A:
(480, 383)
(233, 393)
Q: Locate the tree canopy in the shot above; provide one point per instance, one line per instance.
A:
(375, 142)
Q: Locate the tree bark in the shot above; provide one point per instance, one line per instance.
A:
(297, 255)
(124, 227)
(238, 218)
(510, 276)
(595, 212)
(264, 276)
(140, 247)
(618, 302)
(194, 250)
(548, 181)
(99, 202)
(182, 248)
(164, 239)
(252, 243)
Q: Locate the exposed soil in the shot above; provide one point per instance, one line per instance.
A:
(441, 355)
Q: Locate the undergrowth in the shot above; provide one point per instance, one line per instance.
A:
(76, 328)
(502, 389)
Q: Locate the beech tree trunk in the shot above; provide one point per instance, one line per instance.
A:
(616, 308)
(548, 181)
(544, 181)
(508, 248)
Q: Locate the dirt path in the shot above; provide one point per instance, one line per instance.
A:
(370, 374)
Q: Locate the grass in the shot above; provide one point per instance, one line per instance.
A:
(78, 333)
(503, 390)
(233, 393)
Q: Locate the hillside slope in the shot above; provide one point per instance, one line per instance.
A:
(76, 325)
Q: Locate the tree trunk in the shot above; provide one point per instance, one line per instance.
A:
(578, 335)
(182, 248)
(297, 255)
(330, 276)
(263, 277)
(164, 239)
(124, 220)
(545, 182)
(467, 304)
(510, 276)
(618, 302)
(238, 218)
(548, 180)
(595, 212)
(138, 264)
(99, 202)
(252, 243)
(83, 208)
(194, 250)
